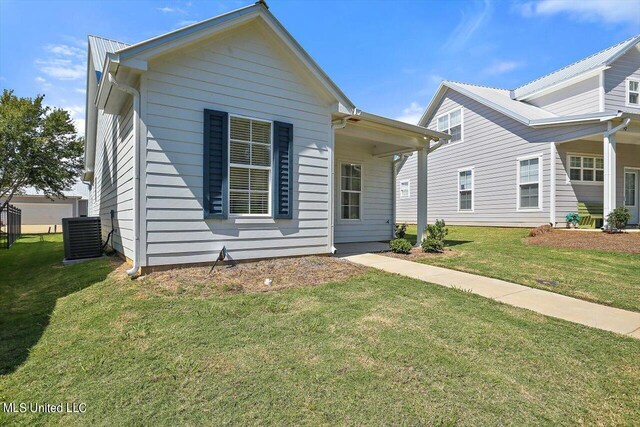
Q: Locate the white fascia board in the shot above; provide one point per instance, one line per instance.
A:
(406, 127)
(137, 55)
(580, 118)
(428, 113)
(493, 105)
(564, 83)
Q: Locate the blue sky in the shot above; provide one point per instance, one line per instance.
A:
(387, 56)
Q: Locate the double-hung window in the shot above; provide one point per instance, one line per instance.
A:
(405, 189)
(465, 190)
(249, 166)
(451, 123)
(633, 93)
(586, 168)
(529, 183)
(350, 191)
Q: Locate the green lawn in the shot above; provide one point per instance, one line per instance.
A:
(376, 350)
(609, 278)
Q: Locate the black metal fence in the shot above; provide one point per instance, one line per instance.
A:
(10, 226)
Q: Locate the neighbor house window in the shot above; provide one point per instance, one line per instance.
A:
(586, 168)
(249, 166)
(350, 191)
(465, 190)
(633, 92)
(405, 189)
(529, 187)
(451, 123)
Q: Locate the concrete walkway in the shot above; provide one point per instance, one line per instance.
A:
(547, 303)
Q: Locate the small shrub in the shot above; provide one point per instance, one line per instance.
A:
(572, 218)
(543, 229)
(401, 231)
(618, 218)
(434, 241)
(400, 246)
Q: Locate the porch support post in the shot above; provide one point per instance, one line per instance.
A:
(553, 153)
(422, 194)
(609, 151)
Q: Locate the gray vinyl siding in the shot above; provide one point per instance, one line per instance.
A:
(579, 98)
(40, 214)
(569, 193)
(375, 223)
(627, 66)
(113, 177)
(241, 74)
(407, 208)
(491, 144)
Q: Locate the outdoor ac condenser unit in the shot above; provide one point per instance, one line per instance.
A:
(82, 238)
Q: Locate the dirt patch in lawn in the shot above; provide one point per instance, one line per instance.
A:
(619, 242)
(247, 277)
(417, 254)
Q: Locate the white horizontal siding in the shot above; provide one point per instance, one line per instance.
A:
(376, 196)
(492, 143)
(579, 98)
(407, 207)
(240, 74)
(113, 177)
(627, 66)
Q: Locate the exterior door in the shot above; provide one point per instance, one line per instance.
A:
(632, 194)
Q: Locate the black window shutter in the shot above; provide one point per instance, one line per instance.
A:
(216, 137)
(282, 170)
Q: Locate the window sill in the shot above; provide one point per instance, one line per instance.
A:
(465, 211)
(585, 182)
(529, 210)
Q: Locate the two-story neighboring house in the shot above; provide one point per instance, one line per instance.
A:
(566, 142)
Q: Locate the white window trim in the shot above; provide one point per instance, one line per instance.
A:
(453, 110)
(408, 182)
(235, 165)
(473, 189)
(580, 181)
(346, 162)
(627, 91)
(540, 183)
(624, 178)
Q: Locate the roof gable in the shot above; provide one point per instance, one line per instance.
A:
(99, 47)
(137, 55)
(584, 66)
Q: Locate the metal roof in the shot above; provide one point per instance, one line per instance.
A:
(600, 59)
(100, 46)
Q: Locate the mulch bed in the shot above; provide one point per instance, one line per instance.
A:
(619, 242)
(249, 277)
(417, 254)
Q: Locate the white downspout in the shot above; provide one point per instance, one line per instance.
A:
(136, 170)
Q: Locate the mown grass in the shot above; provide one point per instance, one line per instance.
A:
(376, 350)
(610, 278)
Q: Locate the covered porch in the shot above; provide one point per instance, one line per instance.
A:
(602, 172)
(366, 151)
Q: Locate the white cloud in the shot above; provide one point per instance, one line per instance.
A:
(80, 90)
(62, 69)
(471, 21)
(607, 11)
(501, 67)
(412, 113)
(65, 50)
(77, 115)
(40, 80)
(185, 23)
(167, 9)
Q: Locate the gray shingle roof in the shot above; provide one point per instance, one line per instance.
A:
(602, 58)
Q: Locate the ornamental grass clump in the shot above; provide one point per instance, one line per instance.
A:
(434, 240)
